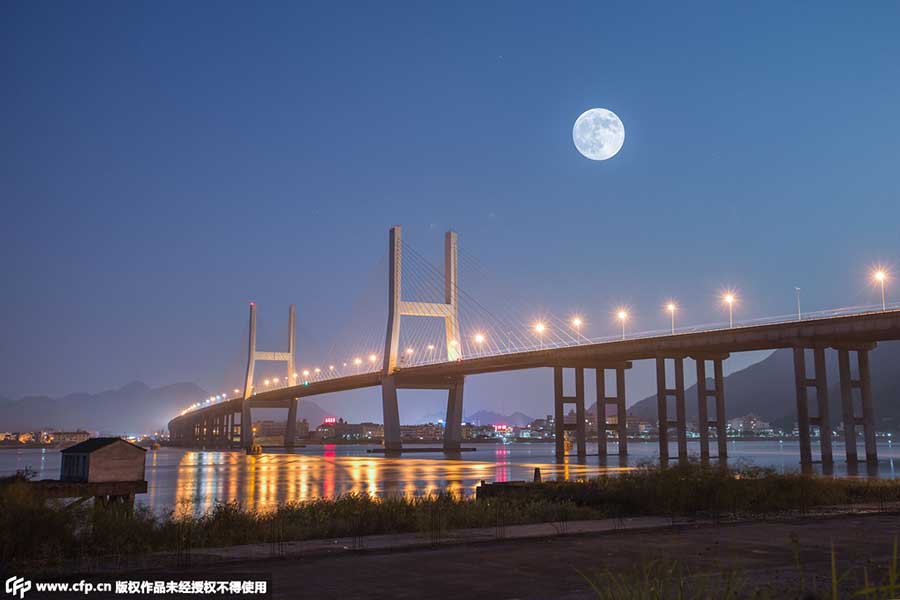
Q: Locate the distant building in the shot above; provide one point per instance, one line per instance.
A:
(24, 437)
(70, 436)
(103, 459)
(749, 423)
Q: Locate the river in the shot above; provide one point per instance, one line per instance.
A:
(194, 480)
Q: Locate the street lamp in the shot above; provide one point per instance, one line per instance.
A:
(357, 362)
(479, 339)
(577, 323)
(881, 276)
(799, 314)
(622, 315)
(672, 307)
(539, 328)
(729, 299)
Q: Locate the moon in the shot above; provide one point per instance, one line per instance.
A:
(598, 134)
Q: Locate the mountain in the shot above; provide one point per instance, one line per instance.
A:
(134, 408)
(767, 390)
(487, 417)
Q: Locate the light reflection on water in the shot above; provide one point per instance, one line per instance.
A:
(194, 480)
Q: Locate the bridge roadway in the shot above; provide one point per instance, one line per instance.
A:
(214, 425)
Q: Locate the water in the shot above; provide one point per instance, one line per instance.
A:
(194, 480)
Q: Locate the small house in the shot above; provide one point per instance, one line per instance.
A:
(103, 459)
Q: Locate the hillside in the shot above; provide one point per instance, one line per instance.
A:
(134, 408)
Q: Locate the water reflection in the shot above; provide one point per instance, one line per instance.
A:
(193, 481)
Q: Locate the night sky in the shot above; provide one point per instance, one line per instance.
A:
(161, 164)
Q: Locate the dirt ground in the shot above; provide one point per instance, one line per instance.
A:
(758, 553)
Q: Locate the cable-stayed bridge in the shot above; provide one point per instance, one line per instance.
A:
(447, 335)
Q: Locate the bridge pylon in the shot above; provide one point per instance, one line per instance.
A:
(254, 355)
(449, 312)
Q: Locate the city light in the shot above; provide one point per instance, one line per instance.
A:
(880, 276)
(672, 308)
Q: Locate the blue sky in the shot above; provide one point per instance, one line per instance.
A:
(162, 163)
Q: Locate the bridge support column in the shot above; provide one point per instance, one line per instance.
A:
(290, 428)
(703, 394)
(391, 411)
(863, 384)
(453, 422)
(560, 401)
(618, 401)
(663, 393)
(819, 381)
(246, 425)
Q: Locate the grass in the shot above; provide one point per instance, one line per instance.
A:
(34, 532)
(662, 579)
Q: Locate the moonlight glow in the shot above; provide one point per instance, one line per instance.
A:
(598, 134)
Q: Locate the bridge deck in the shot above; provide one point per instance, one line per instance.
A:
(861, 328)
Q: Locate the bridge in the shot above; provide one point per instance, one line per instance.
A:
(852, 333)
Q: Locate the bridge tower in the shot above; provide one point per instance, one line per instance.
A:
(449, 312)
(254, 355)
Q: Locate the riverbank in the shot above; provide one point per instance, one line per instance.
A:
(35, 534)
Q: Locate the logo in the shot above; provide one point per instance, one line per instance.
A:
(18, 585)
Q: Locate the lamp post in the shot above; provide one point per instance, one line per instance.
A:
(671, 307)
(539, 328)
(880, 276)
(799, 314)
(622, 316)
(576, 324)
(729, 300)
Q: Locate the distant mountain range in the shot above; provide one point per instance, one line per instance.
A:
(767, 390)
(134, 408)
(487, 417)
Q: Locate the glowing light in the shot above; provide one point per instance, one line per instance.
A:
(306, 372)
(409, 350)
(479, 338)
(237, 391)
(266, 382)
(880, 275)
(317, 370)
(672, 307)
(431, 346)
(539, 327)
(622, 315)
(576, 322)
(453, 342)
(730, 299)
(295, 376)
(357, 361)
(276, 380)
(331, 367)
(372, 358)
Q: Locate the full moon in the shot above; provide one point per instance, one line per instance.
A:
(598, 134)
